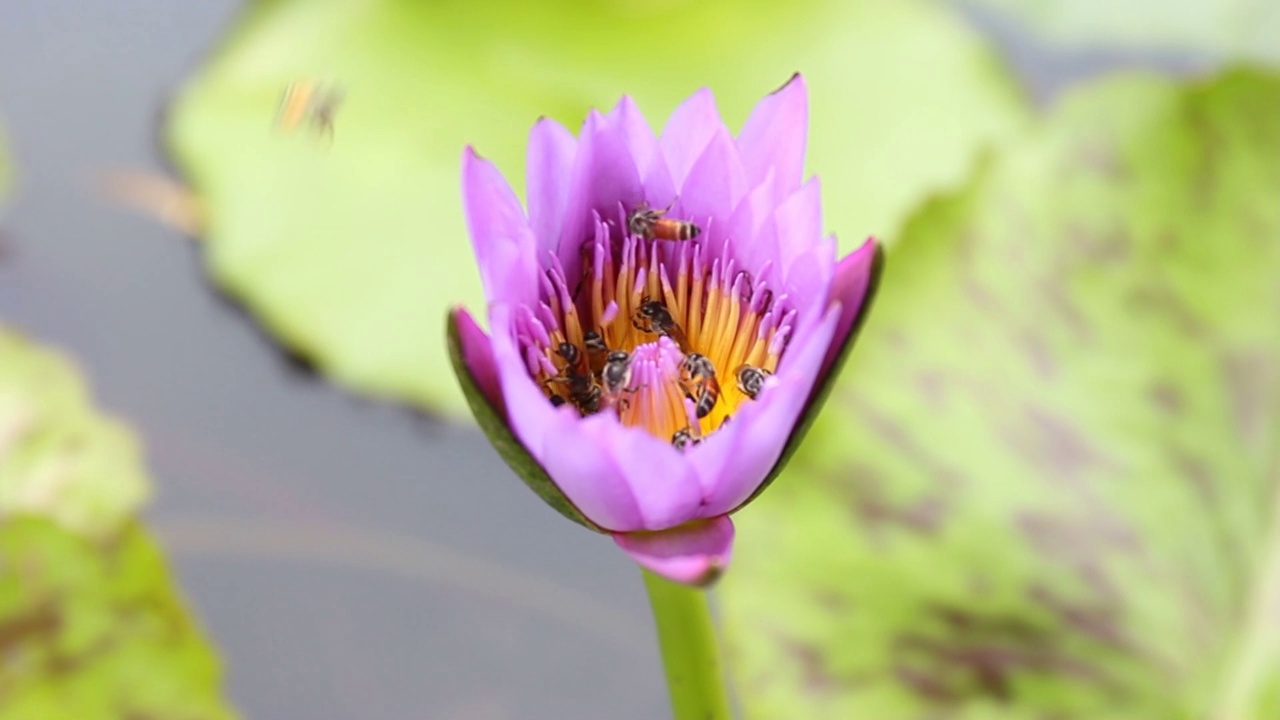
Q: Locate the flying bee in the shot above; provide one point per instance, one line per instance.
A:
(578, 380)
(698, 378)
(306, 101)
(653, 317)
(751, 380)
(650, 224)
(597, 350)
(684, 438)
(615, 377)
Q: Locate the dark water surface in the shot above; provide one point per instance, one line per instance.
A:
(350, 559)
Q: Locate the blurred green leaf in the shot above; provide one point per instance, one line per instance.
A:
(6, 167)
(58, 458)
(1221, 29)
(1046, 485)
(90, 623)
(350, 250)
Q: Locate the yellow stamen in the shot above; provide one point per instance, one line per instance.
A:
(708, 309)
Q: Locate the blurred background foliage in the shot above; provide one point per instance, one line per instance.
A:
(350, 251)
(91, 625)
(6, 169)
(1046, 484)
(1240, 30)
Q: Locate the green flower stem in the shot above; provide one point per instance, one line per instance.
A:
(690, 653)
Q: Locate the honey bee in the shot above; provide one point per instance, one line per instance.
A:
(578, 380)
(616, 376)
(597, 350)
(684, 438)
(310, 102)
(653, 317)
(650, 224)
(751, 380)
(698, 378)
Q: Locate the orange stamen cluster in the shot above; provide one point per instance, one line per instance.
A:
(661, 302)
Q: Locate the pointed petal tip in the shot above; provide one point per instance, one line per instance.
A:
(695, 553)
(472, 355)
(796, 79)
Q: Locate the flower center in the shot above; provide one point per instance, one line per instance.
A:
(668, 334)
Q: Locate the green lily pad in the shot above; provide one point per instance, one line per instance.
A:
(1046, 484)
(91, 625)
(348, 247)
(1222, 29)
(59, 458)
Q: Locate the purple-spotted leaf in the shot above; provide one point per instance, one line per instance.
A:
(91, 625)
(349, 245)
(1046, 484)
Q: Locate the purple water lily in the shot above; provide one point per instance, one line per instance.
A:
(664, 320)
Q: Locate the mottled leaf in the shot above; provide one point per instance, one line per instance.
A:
(90, 623)
(349, 248)
(58, 457)
(1045, 486)
(1223, 29)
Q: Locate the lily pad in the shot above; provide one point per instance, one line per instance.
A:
(350, 246)
(59, 458)
(91, 625)
(1046, 485)
(1223, 29)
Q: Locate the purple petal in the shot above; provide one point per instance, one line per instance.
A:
(808, 279)
(620, 478)
(552, 149)
(688, 130)
(582, 466)
(759, 430)
(693, 554)
(774, 137)
(715, 185)
(477, 353)
(752, 246)
(643, 145)
(503, 242)
(604, 174)
(798, 224)
(664, 484)
(849, 289)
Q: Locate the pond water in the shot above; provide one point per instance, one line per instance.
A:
(350, 559)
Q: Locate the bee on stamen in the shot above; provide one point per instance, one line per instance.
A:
(597, 350)
(578, 380)
(684, 438)
(653, 317)
(751, 380)
(310, 102)
(650, 224)
(698, 379)
(615, 377)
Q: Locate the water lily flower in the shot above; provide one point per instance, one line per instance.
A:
(664, 321)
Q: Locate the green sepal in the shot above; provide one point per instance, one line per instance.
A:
(495, 427)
